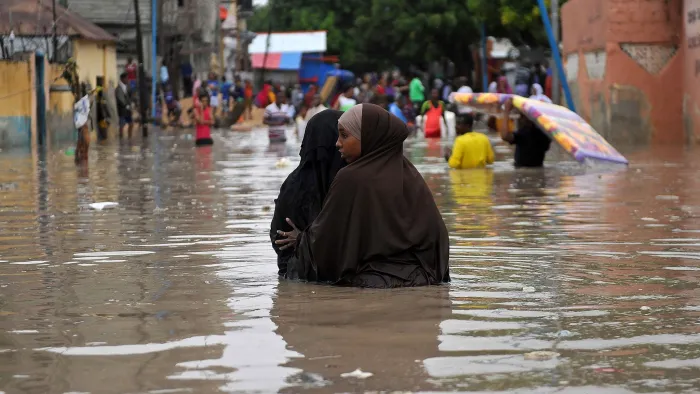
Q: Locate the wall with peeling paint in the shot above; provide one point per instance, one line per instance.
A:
(630, 57)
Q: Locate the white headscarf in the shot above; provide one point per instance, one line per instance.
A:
(539, 94)
(351, 120)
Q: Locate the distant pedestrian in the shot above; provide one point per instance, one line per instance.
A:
(131, 69)
(204, 120)
(471, 149)
(186, 71)
(226, 90)
(316, 107)
(276, 117)
(248, 97)
(164, 75)
(124, 103)
(503, 86)
(523, 78)
(102, 110)
(297, 97)
(433, 111)
(213, 88)
(416, 92)
(346, 100)
(538, 94)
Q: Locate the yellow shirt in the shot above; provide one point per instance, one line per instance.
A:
(471, 150)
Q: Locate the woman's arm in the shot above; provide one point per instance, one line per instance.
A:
(504, 130)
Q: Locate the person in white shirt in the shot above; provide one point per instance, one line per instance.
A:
(463, 109)
(316, 107)
(276, 117)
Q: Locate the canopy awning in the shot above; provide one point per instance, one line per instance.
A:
(277, 61)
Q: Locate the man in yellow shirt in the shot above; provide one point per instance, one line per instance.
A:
(471, 149)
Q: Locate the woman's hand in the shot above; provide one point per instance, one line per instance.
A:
(291, 237)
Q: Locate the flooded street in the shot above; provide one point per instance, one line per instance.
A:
(563, 280)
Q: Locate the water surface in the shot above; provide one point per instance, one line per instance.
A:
(175, 289)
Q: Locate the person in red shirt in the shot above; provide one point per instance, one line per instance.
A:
(131, 72)
(433, 111)
(204, 120)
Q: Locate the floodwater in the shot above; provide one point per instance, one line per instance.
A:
(564, 279)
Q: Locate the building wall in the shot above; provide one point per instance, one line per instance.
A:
(691, 76)
(16, 98)
(96, 59)
(629, 59)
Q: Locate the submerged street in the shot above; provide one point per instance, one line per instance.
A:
(563, 279)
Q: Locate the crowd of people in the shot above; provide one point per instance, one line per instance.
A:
(408, 99)
(356, 212)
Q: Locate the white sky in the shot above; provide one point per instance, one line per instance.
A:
(259, 2)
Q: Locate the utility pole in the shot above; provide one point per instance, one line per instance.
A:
(55, 37)
(154, 57)
(143, 94)
(555, 73)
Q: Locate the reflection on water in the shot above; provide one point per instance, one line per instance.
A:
(562, 278)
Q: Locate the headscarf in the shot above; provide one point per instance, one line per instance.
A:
(506, 86)
(352, 121)
(379, 226)
(539, 94)
(302, 193)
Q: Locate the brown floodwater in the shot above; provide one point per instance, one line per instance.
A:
(565, 279)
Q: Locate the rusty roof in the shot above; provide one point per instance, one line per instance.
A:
(34, 18)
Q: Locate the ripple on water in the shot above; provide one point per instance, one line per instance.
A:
(177, 285)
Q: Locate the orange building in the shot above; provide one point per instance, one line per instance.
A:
(633, 68)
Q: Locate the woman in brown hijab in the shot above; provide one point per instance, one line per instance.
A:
(379, 226)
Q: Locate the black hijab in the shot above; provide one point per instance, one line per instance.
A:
(302, 193)
(379, 226)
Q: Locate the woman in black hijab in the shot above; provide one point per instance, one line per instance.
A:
(379, 226)
(302, 193)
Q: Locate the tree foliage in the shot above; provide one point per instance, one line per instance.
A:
(371, 34)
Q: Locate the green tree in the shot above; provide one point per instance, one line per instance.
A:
(372, 34)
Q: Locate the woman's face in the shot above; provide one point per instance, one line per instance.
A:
(348, 146)
(205, 101)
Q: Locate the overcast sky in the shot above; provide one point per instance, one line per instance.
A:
(259, 2)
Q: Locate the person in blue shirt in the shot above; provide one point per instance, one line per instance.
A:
(396, 109)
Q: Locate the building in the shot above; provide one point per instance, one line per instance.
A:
(186, 29)
(26, 46)
(25, 26)
(294, 57)
(633, 69)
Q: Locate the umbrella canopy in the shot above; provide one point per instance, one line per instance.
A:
(565, 127)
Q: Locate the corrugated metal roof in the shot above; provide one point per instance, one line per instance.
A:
(113, 12)
(304, 42)
(277, 61)
(32, 18)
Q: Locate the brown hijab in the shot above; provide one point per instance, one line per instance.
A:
(379, 226)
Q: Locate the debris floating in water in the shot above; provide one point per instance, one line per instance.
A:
(283, 162)
(357, 374)
(98, 206)
(668, 198)
(541, 355)
(645, 309)
(649, 220)
(529, 289)
(564, 333)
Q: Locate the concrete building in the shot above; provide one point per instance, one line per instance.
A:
(26, 45)
(186, 28)
(633, 68)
